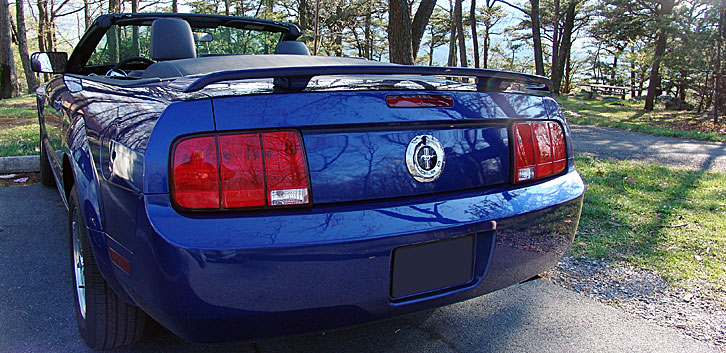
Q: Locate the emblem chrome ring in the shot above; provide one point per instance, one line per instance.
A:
(425, 158)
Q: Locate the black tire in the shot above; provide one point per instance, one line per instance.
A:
(109, 322)
(46, 174)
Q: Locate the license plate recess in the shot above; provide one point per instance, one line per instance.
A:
(428, 266)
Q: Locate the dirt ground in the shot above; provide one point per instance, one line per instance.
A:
(12, 121)
(19, 103)
(6, 123)
(7, 179)
(702, 122)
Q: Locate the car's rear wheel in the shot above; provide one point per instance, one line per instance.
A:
(104, 320)
(46, 174)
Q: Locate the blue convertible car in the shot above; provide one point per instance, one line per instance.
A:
(224, 182)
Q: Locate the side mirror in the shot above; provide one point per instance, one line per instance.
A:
(49, 62)
(203, 37)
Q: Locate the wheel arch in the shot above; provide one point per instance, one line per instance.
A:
(68, 178)
(79, 170)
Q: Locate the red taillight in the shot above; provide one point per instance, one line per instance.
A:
(243, 178)
(254, 170)
(524, 152)
(419, 101)
(539, 150)
(196, 181)
(287, 180)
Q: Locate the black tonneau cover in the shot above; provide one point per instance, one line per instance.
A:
(294, 72)
(208, 64)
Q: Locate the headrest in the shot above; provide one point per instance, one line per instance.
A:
(171, 38)
(291, 47)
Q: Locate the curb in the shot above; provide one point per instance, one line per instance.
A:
(19, 164)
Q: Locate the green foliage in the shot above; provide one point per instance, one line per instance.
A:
(438, 33)
(620, 22)
(508, 55)
(667, 219)
(689, 59)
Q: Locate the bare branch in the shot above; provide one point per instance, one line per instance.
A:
(57, 9)
(69, 12)
(528, 13)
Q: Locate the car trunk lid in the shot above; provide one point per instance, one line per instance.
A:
(356, 145)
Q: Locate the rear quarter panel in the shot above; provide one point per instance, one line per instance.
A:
(100, 122)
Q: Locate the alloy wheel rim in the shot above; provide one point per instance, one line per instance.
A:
(78, 265)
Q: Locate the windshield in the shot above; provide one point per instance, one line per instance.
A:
(133, 40)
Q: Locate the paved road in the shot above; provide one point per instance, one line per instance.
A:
(36, 313)
(604, 142)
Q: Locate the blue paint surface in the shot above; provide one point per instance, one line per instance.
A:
(221, 276)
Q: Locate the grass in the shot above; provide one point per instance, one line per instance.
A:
(631, 116)
(670, 220)
(19, 141)
(21, 107)
(18, 127)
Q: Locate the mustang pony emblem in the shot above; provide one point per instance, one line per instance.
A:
(425, 158)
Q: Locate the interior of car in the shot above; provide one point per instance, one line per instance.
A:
(171, 47)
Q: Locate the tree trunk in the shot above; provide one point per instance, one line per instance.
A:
(702, 94)
(174, 7)
(632, 72)
(474, 38)
(23, 47)
(6, 80)
(537, 38)
(112, 34)
(615, 69)
(420, 21)
(431, 49)
(660, 46)
(302, 12)
(42, 9)
(135, 45)
(399, 32)
(555, 39)
(338, 30)
(485, 48)
(458, 19)
(568, 74)
(317, 27)
(49, 27)
(683, 85)
(368, 50)
(452, 37)
(719, 95)
(86, 14)
(565, 46)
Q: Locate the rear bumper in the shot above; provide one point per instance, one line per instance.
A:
(215, 278)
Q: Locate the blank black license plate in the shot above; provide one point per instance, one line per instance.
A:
(427, 266)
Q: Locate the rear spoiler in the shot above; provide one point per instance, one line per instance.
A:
(296, 78)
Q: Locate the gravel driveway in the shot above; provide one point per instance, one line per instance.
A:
(602, 142)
